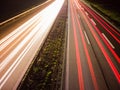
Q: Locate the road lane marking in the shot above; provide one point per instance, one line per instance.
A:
(110, 48)
(108, 41)
(86, 13)
(87, 38)
(104, 21)
(107, 57)
(93, 21)
(104, 26)
(93, 76)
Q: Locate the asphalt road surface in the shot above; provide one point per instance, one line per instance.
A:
(18, 48)
(93, 50)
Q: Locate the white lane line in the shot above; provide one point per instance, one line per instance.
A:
(82, 8)
(87, 37)
(93, 21)
(86, 13)
(108, 41)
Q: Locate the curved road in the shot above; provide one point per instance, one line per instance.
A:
(18, 48)
(93, 50)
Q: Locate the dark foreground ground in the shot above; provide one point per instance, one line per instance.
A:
(46, 70)
(10, 8)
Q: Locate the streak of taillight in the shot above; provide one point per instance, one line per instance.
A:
(113, 52)
(88, 57)
(116, 73)
(108, 45)
(101, 19)
(107, 29)
(80, 76)
(107, 24)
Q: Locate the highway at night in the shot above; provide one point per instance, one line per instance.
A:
(18, 48)
(91, 47)
(93, 50)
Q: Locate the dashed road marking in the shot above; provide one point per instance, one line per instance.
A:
(93, 21)
(108, 41)
(86, 13)
(87, 37)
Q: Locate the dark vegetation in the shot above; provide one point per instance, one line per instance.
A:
(46, 70)
(109, 4)
(10, 8)
(108, 8)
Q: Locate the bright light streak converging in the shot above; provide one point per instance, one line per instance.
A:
(39, 24)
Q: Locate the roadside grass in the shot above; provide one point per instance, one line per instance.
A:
(110, 14)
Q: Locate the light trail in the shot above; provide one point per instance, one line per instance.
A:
(91, 63)
(16, 46)
(101, 19)
(97, 18)
(108, 45)
(12, 36)
(80, 75)
(116, 73)
(87, 55)
(87, 37)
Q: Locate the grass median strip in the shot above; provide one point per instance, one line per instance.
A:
(45, 72)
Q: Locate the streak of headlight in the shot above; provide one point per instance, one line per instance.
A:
(48, 15)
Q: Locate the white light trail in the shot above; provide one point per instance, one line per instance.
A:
(43, 21)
